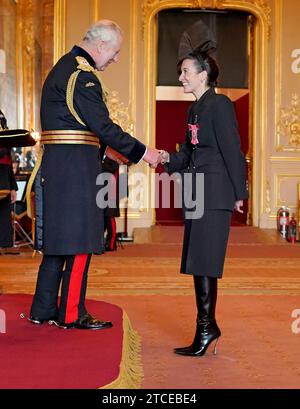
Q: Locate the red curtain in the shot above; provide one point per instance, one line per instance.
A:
(171, 117)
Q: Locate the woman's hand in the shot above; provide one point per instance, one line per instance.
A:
(238, 205)
(165, 157)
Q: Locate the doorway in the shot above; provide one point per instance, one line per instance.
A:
(234, 59)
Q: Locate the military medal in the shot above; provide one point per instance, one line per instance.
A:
(194, 131)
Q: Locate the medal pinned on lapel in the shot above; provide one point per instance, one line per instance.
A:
(194, 128)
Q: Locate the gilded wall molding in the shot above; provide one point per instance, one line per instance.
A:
(280, 159)
(119, 112)
(284, 178)
(257, 7)
(262, 28)
(268, 197)
(133, 59)
(46, 37)
(286, 122)
(34, 55)
(25, 34)
(59, 35)
(95, 10)
(249, 160)
(288, 127)
(278, 67)
(8, 73)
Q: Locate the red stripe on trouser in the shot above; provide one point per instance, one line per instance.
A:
(113, 233)
(76, 276)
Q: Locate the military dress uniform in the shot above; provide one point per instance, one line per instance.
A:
(212, 147)
(69, 224)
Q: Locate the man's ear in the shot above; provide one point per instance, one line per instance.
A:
(100, 45)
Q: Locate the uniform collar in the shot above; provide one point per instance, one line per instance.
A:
(76, 51)
(209, 92)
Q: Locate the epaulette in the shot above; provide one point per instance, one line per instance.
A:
(83, 65)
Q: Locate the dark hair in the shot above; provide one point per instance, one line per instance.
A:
(203, 62)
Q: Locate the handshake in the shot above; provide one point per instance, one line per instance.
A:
(155, 157)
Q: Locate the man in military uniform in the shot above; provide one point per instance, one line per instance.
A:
(75, 122)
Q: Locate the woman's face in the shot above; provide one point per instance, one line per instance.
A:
(191, 79)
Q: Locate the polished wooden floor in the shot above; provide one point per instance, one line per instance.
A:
(257, 296)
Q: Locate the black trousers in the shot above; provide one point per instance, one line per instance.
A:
(6, 229)
(71, 273)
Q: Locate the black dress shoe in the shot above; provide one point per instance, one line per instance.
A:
(39, 321)
(86, 322)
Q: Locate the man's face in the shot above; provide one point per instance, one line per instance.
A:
(108, 52)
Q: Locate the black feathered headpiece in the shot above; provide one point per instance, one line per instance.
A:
(197, 39)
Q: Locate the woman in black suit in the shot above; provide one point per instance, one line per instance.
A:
(212, 147)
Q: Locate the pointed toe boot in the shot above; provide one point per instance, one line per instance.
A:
(207, 329)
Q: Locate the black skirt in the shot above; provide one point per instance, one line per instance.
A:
(205, 242)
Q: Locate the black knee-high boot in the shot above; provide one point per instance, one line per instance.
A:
(207, 329)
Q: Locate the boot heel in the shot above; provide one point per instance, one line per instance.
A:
(215, 347)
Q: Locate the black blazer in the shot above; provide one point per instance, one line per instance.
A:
(216, 153)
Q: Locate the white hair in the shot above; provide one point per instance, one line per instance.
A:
(104, 30)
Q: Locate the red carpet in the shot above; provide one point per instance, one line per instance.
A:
(49, 357)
